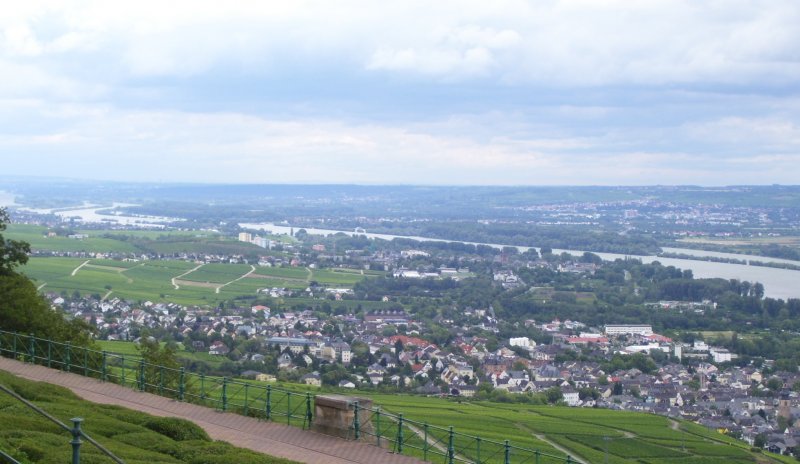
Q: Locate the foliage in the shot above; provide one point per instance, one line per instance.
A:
(133, 436)
(177, 429)
(13, 253)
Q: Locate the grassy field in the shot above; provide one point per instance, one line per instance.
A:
(218, 273)
(36, 236)
(152, 280)
(131, 241)
(133, 436)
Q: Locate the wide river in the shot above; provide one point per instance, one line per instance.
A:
(778, 283)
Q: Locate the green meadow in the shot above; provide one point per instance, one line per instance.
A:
(153, 280)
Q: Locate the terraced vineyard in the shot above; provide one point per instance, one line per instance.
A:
(153, 280)
(133, 436)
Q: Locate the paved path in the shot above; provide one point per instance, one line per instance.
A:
(265, 437)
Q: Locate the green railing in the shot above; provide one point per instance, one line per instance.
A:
(439, 444)
(390, 431)
(75, 431)
(248, 398)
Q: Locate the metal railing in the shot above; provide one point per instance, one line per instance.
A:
(439, 444)
(390, 431)
(75, 430)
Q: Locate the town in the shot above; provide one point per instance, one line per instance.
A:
(459, 351)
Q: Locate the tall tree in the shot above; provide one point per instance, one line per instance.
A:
(22, 309)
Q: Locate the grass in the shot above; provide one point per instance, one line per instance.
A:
(133, 436)
(36, 236)
(152, 280)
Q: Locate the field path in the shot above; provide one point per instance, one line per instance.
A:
(106, 295)
(41, 286)
(75, 271)
(310, 274)
(555, 445)
(187, 272)
(252, 270)
(248, 432)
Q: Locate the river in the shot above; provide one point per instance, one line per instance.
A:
(778, 283)
(6, 199)
(88, 213)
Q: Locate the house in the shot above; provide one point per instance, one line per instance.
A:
(346, 384)
(218, 349)
(312, 379)
(266, 378)
(571, 396)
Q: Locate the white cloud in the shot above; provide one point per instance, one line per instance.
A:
(558, 42)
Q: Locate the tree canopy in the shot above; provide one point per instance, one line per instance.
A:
(22, 309)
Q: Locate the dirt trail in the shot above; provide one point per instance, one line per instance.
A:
(185, 273)
(252, 270)
(75, 271)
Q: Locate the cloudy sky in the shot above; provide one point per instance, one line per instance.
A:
(541, 92)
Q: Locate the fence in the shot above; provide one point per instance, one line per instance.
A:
(391, 431)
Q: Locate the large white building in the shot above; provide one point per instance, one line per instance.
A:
(629, 329)
(522, 342)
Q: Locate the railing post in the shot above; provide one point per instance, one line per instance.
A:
(478, 450)
(450, 449)
(246, 409)
(14, 345)
(86, 362)
(536, 456)
(69, 356)
(49, 352)
(288, 408)
(425, 442)
(182, 386)
(356, 421)
(105, 367)
(202, 386)
(161, 380)
(378, 426)
(76, 440)
(32, 349)
(399, 445)
(141, 375)
(569, 459)
(268, 401)
(124, 381)
(224, 394)
(309, 413)
(507, 454)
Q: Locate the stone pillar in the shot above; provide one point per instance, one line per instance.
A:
(335, 415)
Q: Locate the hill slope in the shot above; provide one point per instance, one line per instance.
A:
(133, 436)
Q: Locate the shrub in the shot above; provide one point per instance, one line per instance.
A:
(177, 429)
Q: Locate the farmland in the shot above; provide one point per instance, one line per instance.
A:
(129, 241)
(153, 280)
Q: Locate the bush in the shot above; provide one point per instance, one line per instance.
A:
(177, 429)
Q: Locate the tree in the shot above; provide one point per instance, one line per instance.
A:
(760, 441)
(13, 253)
(22, 309)
(617, 390)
